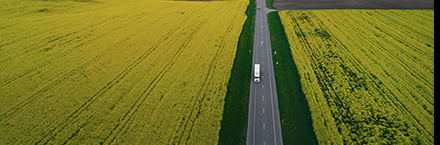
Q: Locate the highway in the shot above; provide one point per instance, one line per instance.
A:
(264, 126)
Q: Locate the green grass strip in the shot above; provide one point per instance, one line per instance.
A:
(296, 122)
(235, 114)
(269, 4)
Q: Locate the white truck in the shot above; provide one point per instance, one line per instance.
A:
(257, 73)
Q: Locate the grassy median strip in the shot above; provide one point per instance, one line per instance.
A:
(296, 122)
(234, 123)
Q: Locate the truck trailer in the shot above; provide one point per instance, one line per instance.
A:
(257, 73)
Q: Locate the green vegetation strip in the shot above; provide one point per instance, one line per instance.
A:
(269, 4)
(234, 123)
(296, 122)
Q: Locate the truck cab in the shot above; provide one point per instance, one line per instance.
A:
(257, 73)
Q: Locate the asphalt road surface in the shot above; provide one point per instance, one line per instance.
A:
(264, 126)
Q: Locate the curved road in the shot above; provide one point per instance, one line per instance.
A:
(264, 118)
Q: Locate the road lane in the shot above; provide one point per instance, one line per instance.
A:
(263, 119)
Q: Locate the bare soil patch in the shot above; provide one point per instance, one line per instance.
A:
(353, 4)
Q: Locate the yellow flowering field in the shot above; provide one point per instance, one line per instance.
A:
(368, 75)
(115, 71)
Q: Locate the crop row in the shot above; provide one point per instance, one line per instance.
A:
(368, 75)
(125, 72)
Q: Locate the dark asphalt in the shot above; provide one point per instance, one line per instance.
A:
(264, 126)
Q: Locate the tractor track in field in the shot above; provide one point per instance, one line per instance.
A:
(53, 41)
(60, 79)
(207, 80)
(109, 85)
(101, 79)
(154, 83)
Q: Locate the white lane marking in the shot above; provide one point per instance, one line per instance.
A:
(264, 126)
(262, 86)
(264, 143)
(262, 97)
(263, 110)
(261, 42)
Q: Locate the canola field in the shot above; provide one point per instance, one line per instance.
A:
(368, 75)
(115, 71)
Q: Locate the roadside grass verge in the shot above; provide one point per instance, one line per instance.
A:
(234, 123)
(269, 4)
(296, 122)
